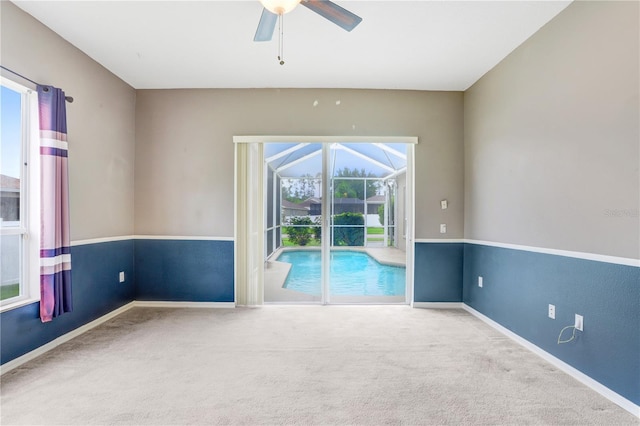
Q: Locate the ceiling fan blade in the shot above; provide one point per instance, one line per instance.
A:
(331, 11)
(266, 26)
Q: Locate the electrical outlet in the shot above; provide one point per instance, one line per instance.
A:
(579, 322)
(552, 311)
(443, 228)
(480, 282)
(121, 276)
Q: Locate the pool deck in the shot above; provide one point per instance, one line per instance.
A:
(388, 256)
(275, 274)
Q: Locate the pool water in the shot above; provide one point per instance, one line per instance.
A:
(352, 273)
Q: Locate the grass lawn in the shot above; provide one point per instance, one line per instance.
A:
(312, 243)
(316, 243)
(374, 231)
(8, 291)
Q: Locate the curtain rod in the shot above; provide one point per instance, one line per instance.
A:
(68, 98)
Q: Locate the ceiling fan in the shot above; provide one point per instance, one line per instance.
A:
(274, 9)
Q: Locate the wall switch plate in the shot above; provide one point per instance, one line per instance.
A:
(443, 228)
(579, 322)
(121, 276)
(444, 204)
(552, 311)
(480, 282)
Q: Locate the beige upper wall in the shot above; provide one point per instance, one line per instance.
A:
(185, 154)
(101, 122)
(551, 137)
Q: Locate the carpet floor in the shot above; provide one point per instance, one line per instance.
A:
(313, 365)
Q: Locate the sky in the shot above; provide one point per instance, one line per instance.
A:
(10, 131)
(298, 160)
(352, 157)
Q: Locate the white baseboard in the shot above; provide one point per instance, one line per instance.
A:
(15, 363)
(168, 304)
(438, 305)
(561, 365)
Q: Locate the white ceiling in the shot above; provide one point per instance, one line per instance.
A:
(421, 45)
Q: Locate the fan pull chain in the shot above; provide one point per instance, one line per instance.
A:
(281, 38)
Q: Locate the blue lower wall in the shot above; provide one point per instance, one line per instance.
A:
(519, 285)
(159, 270)
(184, 270)
(96, 292)
(438, 272)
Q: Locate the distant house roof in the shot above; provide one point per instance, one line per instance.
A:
(311, 200)
(294, 206)
(9, 184)
(376, 199)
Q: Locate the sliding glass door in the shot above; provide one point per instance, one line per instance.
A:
(366, 264)
(294, 222)
(344, 250)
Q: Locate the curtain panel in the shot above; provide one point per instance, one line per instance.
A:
(55, 239)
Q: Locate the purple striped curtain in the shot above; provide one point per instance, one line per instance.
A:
(55, 241)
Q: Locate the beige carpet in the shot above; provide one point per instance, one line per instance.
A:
(297, 365)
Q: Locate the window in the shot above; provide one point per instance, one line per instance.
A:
(19, 196)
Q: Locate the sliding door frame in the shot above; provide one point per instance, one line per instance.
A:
(244, 216)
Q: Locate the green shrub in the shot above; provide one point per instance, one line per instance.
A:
(317, 230)
(348, 235)
(302, 233)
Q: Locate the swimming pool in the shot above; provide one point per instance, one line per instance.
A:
(352, 273)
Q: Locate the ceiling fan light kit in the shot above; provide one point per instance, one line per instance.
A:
(280, 7)
(275, 9)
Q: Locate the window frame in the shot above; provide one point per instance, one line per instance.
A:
(29, 226)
